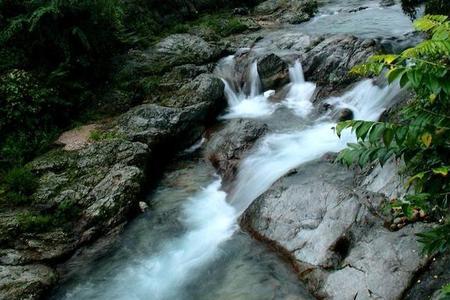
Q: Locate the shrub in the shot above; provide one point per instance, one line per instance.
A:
(23, 102)
(20, 181)
(421, 135)
(33, 222)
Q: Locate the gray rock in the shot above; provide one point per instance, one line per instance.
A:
(345, 114)
(174, 50)
(335, 232)
(273, 72)
(291, 11)
(25, 282)
(227, 147)
(329, 62)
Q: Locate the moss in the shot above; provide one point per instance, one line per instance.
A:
(149, 84)
(223, 24)
(18, 186)
(100, 135)
(33, 222)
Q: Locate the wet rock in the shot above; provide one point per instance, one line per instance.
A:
(358, 9)
(273, 72)
(228, 146)
(25, 282)
(329, 62)
(335, 232)
(143, 206)
(345, 114)
(386, 3)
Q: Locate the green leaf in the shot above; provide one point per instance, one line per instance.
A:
(404, 80)
(426, 139)
(341, 126)
(376, 133)
(441, 170)
(361, 131)
(388, 135)
(395, 73)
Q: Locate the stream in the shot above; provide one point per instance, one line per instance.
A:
(188, 245)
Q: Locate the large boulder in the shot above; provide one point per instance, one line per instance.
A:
(174, 50)
(328, 63)
(291, 11)
(227, 147)
(273, 72)
(335, 234)
(181, 120)
(25, 282)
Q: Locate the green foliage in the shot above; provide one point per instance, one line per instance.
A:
(222, 25)
(444, 292)
(436, 240)
(421, 136)
(33, 222)
(23, 102)
(61, 217)
(19, 184)
(100, 135)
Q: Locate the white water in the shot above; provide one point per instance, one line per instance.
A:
(278, 153)
(257, 103)
(300, 93)
(254, 105)
(209, 220)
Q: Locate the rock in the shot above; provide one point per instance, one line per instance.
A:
(358, 9)
(143, 206)
(77, 138)
(335, 233)
(345, 114)
(273, 72)
(291, 11)
(25, 282)
(329, 62)
(241, 11)
(386, 3)
(268, 7)
(228, 146)
(204, 88)
(182, 118)
(174, 50)
(386, 180)
(431, 280)
(185, 48)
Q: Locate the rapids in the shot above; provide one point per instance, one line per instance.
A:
(189, 245)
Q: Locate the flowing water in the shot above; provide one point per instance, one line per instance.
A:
(189, 245)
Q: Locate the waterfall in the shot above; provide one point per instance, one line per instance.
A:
(241, 105)
(209, 220)
(296, 73)
(300, 93)
(278, 153)
(255, 81)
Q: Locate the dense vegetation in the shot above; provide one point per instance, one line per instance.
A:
(421, 134)
(56, 61)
